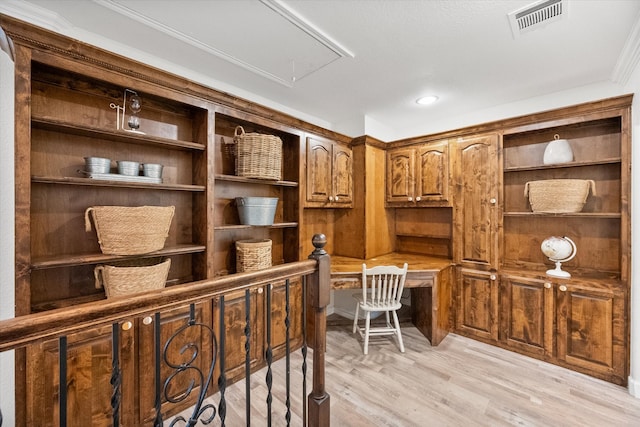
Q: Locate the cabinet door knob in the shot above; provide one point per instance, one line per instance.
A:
(127, 325)
(418, 199)
(492, 277)
(492, 200)
(147, 320)
(410, 199)
(331, 198)
(260, 290)
(547, 285)
(563, 288)
(336, 199)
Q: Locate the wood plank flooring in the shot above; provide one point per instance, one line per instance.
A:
(461, 382)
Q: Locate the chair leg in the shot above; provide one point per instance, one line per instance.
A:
(355, 319)
(366, 332)
(386, 314)
(398, 333)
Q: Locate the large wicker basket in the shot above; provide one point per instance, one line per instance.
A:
(559, 195)
(124, 279)
(252, 255)
(258, 155)
(126, 230)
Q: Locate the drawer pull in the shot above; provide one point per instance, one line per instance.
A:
(547, 285)
(127, 325)
(147, 320)
(563, 288)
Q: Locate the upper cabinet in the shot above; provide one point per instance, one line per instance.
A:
(418, 175)
(476, 217)
(329, 174)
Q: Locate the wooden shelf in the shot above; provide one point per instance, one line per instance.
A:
(233, 178)
(562, 165)
(119, 184)
(425, 236)
(612, 215)
(115, 135)
(244, 227)
(97, 258)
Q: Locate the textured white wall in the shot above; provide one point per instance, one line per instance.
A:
(7, 230)
(634, 377)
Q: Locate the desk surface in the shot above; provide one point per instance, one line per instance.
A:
(346, 265)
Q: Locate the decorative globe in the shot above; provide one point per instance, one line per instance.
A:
(558, 250)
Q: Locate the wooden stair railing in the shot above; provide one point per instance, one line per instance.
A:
(33, 329)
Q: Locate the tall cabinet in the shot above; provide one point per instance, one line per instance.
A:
(475, 234)
(579, 322)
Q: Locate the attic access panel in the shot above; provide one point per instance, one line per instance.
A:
(265, 36)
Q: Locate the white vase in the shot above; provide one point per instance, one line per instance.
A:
(557, 151)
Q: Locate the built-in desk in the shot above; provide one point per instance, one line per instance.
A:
(429, 278)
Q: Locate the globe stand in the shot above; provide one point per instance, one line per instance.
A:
(558, 271)
(553, 248)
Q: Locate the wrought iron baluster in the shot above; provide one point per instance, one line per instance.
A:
(247, 354)
(62, 365)
(304, 351)
(287, 323)
(116, 375)
(222, 380)
(158, 380)
(269, 357)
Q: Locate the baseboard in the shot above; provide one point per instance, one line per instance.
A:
(634, 387)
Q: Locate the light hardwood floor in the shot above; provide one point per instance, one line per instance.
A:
(461, 382)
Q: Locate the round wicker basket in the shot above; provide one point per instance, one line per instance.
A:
(129, 277)
(559, 195)
(258, 155)
(252, 255)
(124, 230)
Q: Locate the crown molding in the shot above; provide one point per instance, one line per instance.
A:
(629, 57)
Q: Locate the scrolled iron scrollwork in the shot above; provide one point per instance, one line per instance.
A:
(187, 367)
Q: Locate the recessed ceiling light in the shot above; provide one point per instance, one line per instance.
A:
(426, 100)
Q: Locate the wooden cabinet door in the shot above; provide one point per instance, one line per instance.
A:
(432, 174)
(400, 175)
(197, 342)
(591, 331)
(476, 214)
(526, 315)
(342, 179)
(329, 174)
(477, 304)
(235, 321)
(89, 366)
(319, 158)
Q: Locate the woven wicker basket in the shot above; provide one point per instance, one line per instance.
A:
(258, 155)
(123, 279)
(252, 255)
(559, 195)
(126, 230)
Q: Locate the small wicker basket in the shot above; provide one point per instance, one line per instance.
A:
(258, 155)
(252, 255)
(559, 195)
(126, 230)
(132, 277)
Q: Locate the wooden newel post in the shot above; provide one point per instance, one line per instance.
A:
(319, 288)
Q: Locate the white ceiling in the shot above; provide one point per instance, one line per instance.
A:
(357, 66)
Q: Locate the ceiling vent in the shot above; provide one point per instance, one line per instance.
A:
(537, 15)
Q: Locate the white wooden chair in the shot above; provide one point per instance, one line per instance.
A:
(381, 291)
